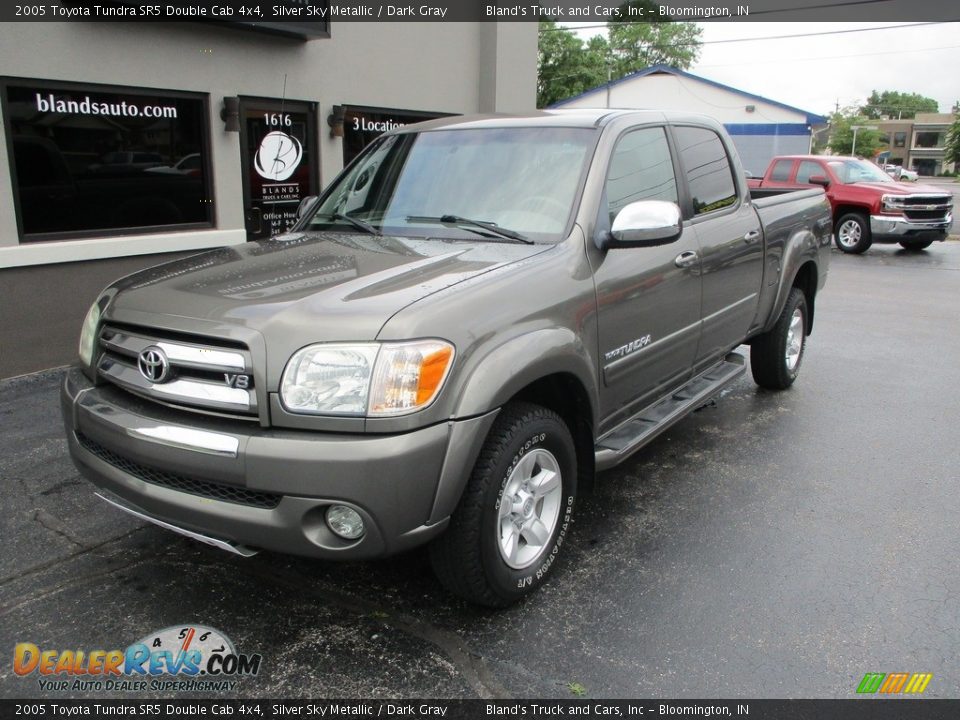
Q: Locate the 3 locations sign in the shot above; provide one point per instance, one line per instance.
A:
(362, 125)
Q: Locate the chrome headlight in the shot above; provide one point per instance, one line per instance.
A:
(329, 379)
(365, 379)
(891, 204)
(88, 333)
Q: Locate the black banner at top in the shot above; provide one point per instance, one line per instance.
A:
(548, 709)
(308, 19)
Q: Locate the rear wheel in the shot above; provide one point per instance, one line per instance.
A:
(915, 244)
(505, 535)
(776, 355)
(852, 233)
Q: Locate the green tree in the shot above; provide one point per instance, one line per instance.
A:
(567, 66)
(564, 67)
(952, 148)
(841, 134)
(635, 46)
(896, 105)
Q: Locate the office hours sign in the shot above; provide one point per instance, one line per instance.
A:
(280, 166)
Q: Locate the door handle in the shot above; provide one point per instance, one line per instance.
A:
(686, 259)
(751, 236)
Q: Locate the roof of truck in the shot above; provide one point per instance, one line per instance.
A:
(826, 158)
(579, 117)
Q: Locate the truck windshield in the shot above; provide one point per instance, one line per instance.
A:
(854, 171)
(523, 180)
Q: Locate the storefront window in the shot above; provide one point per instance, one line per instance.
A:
(929, 140)
(363, 125)
(89, 160)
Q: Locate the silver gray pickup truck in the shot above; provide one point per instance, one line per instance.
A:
(476, 316)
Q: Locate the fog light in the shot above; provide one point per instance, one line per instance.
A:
(345, 522)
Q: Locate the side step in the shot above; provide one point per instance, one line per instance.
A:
(632, 434)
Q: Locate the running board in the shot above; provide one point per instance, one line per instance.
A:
(632, 434)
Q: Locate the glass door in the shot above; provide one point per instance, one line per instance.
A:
(279, 162)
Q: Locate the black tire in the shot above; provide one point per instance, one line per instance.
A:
(467, 558)
(768, 352)
(851, 233)
(915, 244)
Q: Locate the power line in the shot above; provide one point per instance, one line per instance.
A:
(578, 73)
(772, 37)
(831, 57)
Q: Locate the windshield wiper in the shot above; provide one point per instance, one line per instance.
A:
(462, 221)
(356, 222)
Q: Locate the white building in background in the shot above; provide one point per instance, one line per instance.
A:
(761, 128)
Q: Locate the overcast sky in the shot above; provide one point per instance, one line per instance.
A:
(814, 73)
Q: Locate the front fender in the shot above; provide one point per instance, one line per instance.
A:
(493, 379)
(498, 375)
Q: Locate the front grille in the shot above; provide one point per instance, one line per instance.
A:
(193, 486)
(908, 200)
(925, 214)
(921, 207)
(195, 373)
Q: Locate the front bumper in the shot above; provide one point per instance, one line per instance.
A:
(237, 483)
(894, 228)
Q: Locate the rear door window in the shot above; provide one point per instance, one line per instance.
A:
(781, 170)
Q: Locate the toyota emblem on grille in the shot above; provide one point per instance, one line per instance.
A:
(153, 364)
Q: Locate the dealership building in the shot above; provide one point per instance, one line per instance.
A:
(760, 127)
(127, 144)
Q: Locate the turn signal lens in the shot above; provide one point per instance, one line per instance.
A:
(408, 376)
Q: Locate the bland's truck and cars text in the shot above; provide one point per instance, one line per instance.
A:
(476, 316)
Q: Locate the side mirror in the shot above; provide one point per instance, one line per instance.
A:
(821, 180)
(645, 223)
(306, 205)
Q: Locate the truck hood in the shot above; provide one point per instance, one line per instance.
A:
(327, 285)
(896, 188)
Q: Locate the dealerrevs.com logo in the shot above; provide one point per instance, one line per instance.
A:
(185, 658)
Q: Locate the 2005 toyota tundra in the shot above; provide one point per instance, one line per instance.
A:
(475, 316)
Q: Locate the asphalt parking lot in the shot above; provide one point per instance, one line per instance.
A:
(770, 545)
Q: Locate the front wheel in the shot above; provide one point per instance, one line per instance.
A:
(852, 233)
(506, 534)
(776, 355)
(915, 244)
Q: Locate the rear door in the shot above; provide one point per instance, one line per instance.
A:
(648, 306)
(730, 238)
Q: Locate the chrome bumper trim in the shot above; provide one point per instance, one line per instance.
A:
(189, 439)
(234, 548)
(886, 225)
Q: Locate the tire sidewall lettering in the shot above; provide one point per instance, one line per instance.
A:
(521, 582)
(537, 439)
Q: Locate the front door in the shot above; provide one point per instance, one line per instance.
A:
(278, 161)
(648, 305)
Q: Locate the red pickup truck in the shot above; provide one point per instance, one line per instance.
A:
(868, 205)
